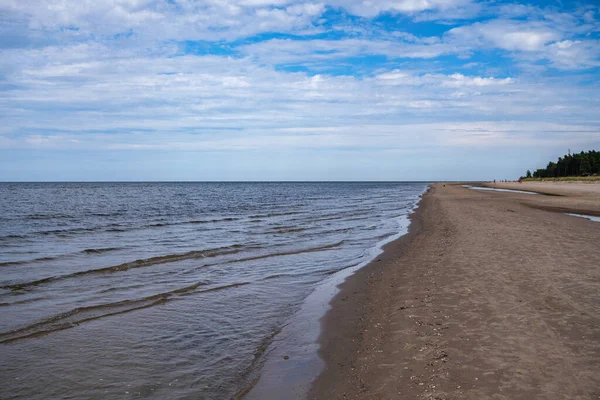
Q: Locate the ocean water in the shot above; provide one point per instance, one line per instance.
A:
(170, 290)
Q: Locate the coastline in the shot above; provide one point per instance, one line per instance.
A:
(293, 361)
(473, 302)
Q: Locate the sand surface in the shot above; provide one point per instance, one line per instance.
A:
(491, 295)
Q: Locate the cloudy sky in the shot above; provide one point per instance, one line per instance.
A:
(294, 90)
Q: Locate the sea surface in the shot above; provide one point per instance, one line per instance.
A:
(170, 290)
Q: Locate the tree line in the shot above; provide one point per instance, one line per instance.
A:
(579, 164)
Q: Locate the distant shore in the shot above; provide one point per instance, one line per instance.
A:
(490, 294)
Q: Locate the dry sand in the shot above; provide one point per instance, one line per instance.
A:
(489, 296)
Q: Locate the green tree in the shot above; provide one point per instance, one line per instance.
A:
(585, 167)
(584, 163)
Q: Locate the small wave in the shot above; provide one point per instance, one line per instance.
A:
(46, 216)
(289, 253)
(20, 252)
(118, 230)
(327, 218)
(339, 230)
(23, 262)
(269, 215)
(98, 251)
(80, 315)
(168, 259)
(316, 272)
(280, 254)
(358, 218)
(287, 229)
(147, 262)
(115, 228)
(194, 222)
(292, 275)
(335, 270)
(276, 276)
(210, 221)
(115, 214)
(67, 231)
(53, 258)
(24, 301)
(118, 288)
(13, 237)
(378, 238)
(224, 219)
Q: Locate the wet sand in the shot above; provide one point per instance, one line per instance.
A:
(490, 295)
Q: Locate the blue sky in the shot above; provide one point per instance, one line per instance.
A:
(294, 90)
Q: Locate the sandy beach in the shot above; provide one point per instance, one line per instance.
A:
(490, 295)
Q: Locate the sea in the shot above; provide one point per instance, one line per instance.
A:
(175, 290)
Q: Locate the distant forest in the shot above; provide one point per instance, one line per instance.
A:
(581, 164)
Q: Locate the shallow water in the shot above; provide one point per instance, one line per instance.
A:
(293, 361)
(498, 189)
(169, 290)
(590, 217)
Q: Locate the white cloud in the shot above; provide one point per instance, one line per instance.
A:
(86, 96)
(370, 8)
(286, 51)
(574, 54)
(506, 34)
(189, 19)
(459, 80)
(398, 77)
(79, 88)
(532, 41)
(158, 19)
(149, 24)
(523, 40)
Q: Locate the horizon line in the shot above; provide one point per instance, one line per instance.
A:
(249, 181)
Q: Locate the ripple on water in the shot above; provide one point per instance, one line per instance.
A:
(174, 290)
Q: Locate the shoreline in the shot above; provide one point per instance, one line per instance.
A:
(293, 361)
(333, 343)
(472, 303)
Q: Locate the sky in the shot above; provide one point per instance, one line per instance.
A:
(294, 90)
